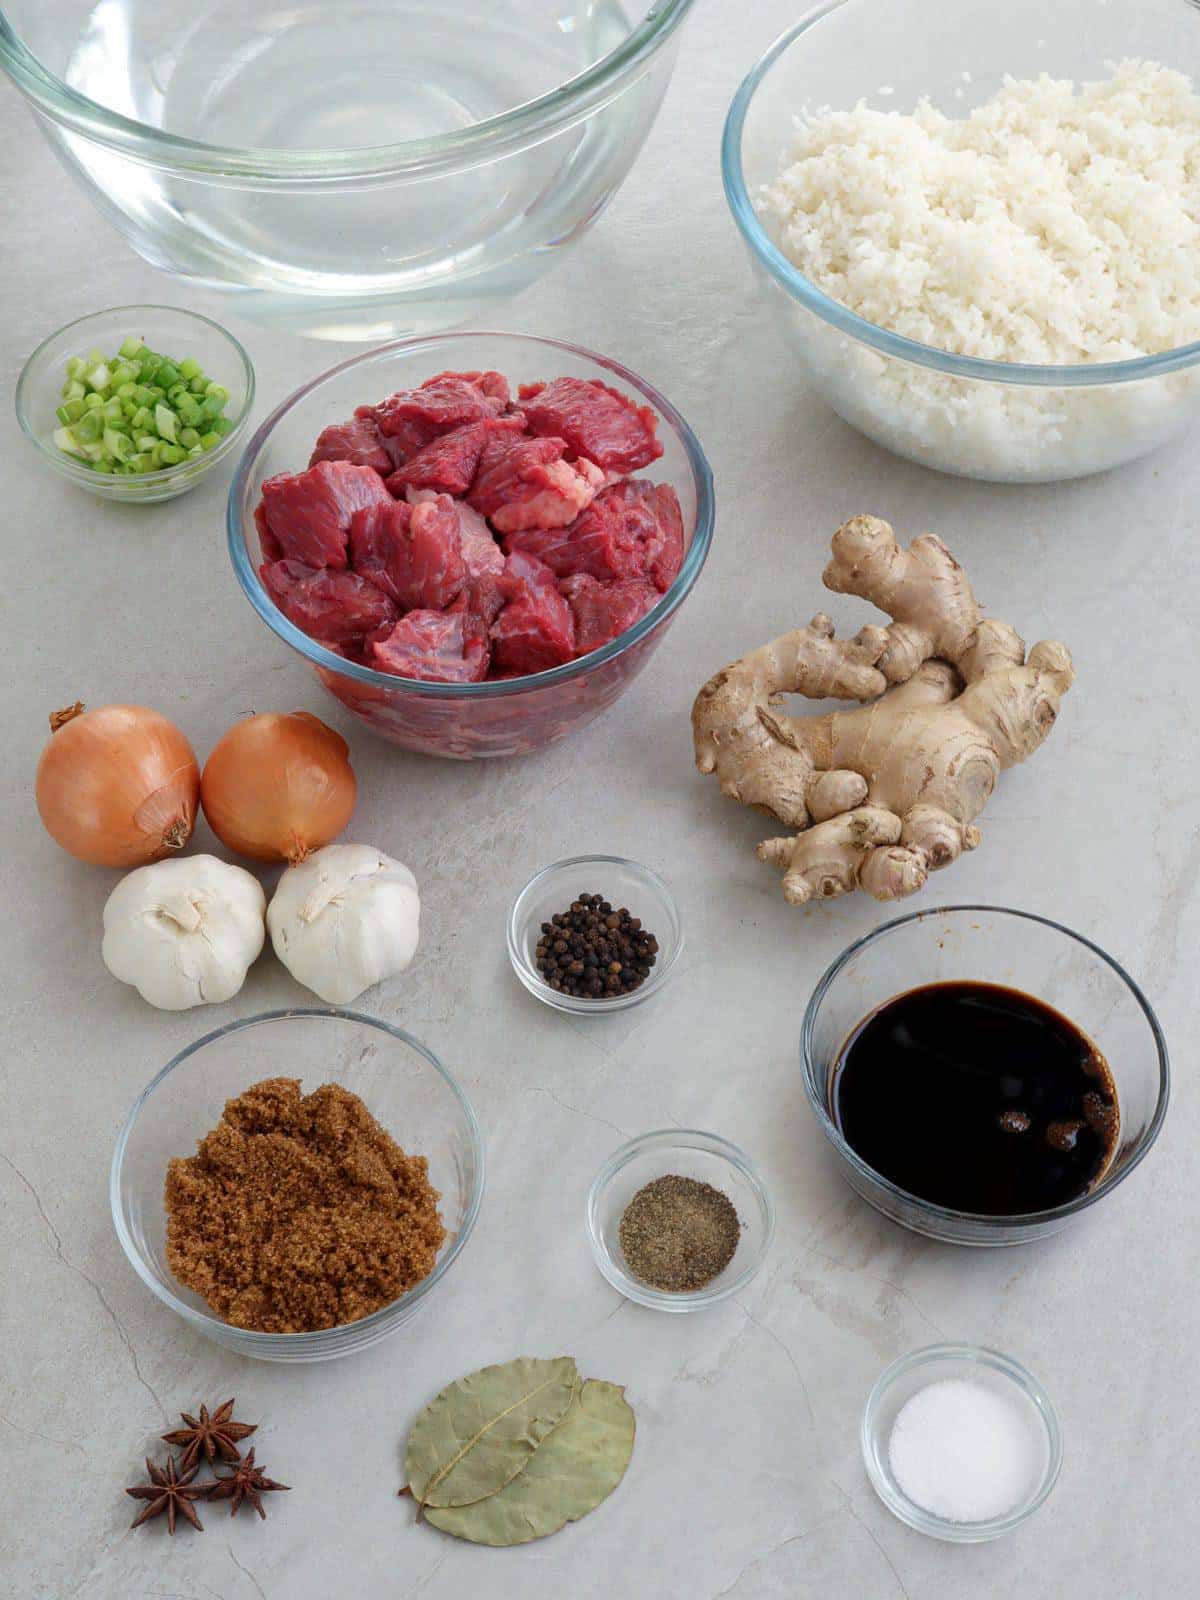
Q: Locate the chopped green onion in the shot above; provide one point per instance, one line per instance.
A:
(118, 445)
(139, 411)
(65, 440)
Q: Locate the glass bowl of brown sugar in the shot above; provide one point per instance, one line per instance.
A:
(679, 1219)
(252, 1117)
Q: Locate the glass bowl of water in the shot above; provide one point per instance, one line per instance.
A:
(361, 169)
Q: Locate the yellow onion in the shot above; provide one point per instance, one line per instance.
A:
(278, 786)
(117, 786)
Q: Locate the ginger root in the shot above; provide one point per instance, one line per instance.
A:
(883, 795)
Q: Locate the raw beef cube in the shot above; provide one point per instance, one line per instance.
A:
(335, 607)
(630, 530)
(438, 646)
(448, 464)
(414, 553)
(526, 484)
(492, 385)
(374, 534)
(414, 417)
(308, 513)
(267, 542)
(604, 610)
(357, 441)
(483, 557)
(665, 563)
(596, 421)
(535, 630)
(480, 551)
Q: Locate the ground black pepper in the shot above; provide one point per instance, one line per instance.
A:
(592, 952)
(678, 1233)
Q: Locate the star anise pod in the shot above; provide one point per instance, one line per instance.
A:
(168, 1491)
(247, 1482)
(217, 1436)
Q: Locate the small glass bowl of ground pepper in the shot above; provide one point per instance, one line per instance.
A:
(665, 1192)
(594, 934)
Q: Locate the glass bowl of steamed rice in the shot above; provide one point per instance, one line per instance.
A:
(980, 226)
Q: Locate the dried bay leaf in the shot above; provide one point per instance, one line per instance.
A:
(576, 1466)
(482, 1431)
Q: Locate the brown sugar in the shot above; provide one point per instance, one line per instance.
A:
(299, 1212)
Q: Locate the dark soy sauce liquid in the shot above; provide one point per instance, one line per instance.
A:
(978, 1098)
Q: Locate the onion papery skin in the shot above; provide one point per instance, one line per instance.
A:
(118, 786)
(278, 786)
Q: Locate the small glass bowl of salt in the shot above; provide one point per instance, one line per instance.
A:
(960, 1442)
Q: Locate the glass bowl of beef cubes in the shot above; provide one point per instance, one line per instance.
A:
(477, 540)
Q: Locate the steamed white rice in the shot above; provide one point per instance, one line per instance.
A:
(1055, 224)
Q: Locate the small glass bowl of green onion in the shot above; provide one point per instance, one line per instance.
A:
(137, 403)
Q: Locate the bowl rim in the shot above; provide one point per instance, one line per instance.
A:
(687, 1139)
(947, 1214)
(237, 537)
(252, 1340)
(578, 1005)
(134, 486)
(840, 317)
(483, 141)
(928, 1522)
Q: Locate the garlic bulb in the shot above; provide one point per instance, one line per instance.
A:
(344, 919)
(184, 932)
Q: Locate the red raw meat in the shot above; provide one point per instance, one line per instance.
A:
(480, 551)
(596, 421)
(604, 610)
(632, 529)
(414, 553)
(526, 484)
(335, 607)
(267, 542)
(308, 513)
(666, 562)
(535, 630)
(357, 441)
(412, 418)
(483, 557)
(437, 646)
(448, 463)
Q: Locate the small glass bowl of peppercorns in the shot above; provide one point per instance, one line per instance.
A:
(594, 934)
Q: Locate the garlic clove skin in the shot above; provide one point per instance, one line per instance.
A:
(184, 932)
(344, 920)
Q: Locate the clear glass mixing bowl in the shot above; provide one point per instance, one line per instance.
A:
(510, 716)
(994, 420)
(1017, 950)
(355, 169)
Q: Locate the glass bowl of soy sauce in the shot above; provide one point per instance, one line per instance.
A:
(983, 1074)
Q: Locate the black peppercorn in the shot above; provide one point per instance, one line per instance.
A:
(593, 952)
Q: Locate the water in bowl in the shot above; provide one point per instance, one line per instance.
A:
(330, 76)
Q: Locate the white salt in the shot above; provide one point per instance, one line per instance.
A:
(964, 1452)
